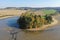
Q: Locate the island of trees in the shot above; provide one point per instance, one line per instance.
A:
(31, 20)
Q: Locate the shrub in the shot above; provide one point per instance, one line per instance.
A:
(31, 20)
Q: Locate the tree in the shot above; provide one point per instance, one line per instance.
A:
(30, 20)
(48, 18)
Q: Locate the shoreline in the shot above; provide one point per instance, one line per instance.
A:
(5, 17)
(37, 29)
(44, 26)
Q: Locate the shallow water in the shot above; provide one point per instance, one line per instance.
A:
(51, 33)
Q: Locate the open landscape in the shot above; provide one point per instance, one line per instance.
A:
(30, 20)
(8, 22)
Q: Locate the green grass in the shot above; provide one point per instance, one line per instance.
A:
(51, 11)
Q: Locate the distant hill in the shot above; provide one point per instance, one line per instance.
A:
(27, 8)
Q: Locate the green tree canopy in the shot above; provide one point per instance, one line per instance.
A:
(31, 20)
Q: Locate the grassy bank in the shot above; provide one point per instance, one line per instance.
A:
(3, 17)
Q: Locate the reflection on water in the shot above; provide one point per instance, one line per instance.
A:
(51, 33)
(12, 22)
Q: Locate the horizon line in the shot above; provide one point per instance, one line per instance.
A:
(27, 7)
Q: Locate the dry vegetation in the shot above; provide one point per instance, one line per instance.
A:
(12, 12)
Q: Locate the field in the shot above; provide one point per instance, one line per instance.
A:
(11, 12)
(14, 12)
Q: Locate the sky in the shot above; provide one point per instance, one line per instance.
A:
(29, 3)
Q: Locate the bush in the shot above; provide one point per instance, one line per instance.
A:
(30, 20)
(48, 18)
